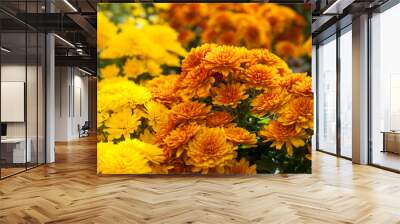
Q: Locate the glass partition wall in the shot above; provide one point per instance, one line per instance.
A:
(327, 96)
(334, 105)
(385, 89)
(345, 90)
(334, 93)
(22, 89)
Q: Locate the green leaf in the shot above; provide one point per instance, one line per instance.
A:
(266, 165)
(264, 120)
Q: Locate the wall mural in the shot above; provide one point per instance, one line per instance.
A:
(204, 88)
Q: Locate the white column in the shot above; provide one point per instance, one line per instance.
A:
(50, 99)
(360, 90)
(314, 84)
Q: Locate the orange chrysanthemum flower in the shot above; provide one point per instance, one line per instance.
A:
(219, 118)
(281, 135)
(277, 15)
(271, 100)
(242, 167)
(181, 135)
(224, 60)
(189, 111)
(208, 35)
(228, 38)
(165, 129)
(223, 20)
(307, 47)
(239, 135)
(229, 95)
(163, 89)
(264, 56)
(221, 23)
(261, 76)
(185, 37)
(288, 49)
(194, 13)
(298, 84)
(255, 32)
(195, 57)
(196, 83)
(209, 150)
(170, 165)
(299, 111)
(183, 15)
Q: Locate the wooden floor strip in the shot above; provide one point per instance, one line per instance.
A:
(69, 191)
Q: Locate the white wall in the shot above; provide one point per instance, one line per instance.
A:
(62, 82)
(71, 102)
(33, 127)
(16, 73)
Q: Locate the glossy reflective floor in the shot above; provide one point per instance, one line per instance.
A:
(69, 191)
(387, 159)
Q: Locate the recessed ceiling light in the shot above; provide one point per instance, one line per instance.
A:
(84, 71)
(70, 5)
(5, 50)
(337, 7)
(64, 40)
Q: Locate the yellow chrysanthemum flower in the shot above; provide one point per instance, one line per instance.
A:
(107, 31)
(101, 117)
(117, 159)
(145, 43)
(162, 6)
(134, 67)
(127, 157)
(157, 114)
(122, 123)
(118, 93)
(150, 152)
(110, 71)
(147, 137)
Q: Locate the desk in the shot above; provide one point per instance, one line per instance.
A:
(17, 150)
(391, 141)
